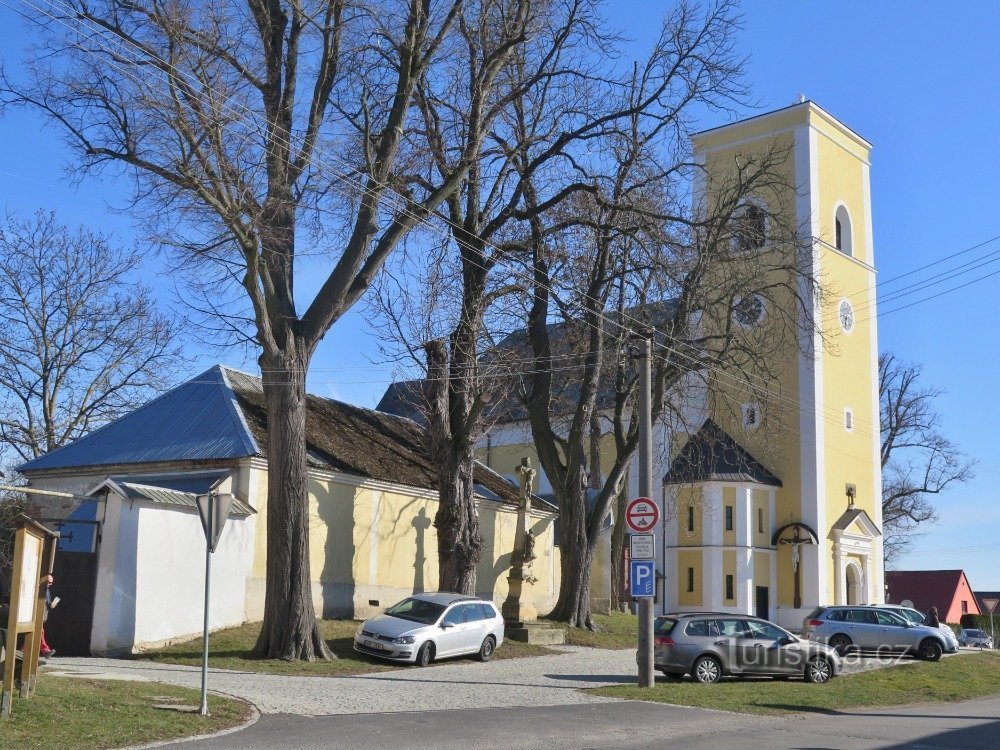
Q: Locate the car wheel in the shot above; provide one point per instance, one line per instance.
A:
(425, 655)
(841, 644)
(672, 675)
(486, 649)
(707, 670)
(818, 670)
(930, 650)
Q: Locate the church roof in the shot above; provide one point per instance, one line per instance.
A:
(220, 415)
(712, 455)
(197, 420)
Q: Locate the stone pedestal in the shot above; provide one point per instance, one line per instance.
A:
(539, 633)
(519, 606)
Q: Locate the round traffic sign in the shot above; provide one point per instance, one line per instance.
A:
(642, 515)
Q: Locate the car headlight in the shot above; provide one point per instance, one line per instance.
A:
(404, 639)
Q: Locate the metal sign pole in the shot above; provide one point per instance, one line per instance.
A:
(209, 520)
(646, 666)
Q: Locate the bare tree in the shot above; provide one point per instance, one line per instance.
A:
(706, 262)
(918, 462)
(252, 129)
(81, 339)
(485, 220)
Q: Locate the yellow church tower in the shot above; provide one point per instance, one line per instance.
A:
(776, 516)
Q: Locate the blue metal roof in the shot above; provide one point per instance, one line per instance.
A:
(197, 420)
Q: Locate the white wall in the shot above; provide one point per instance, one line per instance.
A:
(168, 560)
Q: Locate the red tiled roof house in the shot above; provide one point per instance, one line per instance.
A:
(948, 590)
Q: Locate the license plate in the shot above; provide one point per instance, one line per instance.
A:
(374, 645)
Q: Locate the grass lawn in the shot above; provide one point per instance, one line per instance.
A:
(952, 679)
(90, 714)
(230, 649)
(617, 630)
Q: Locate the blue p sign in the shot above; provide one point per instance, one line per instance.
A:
(642, 578)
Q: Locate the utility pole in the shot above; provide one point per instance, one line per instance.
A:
(646, 668)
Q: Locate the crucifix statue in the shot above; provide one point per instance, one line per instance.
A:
(527, 475)
(796, 543)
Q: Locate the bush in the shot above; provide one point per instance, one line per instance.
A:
(980, 622)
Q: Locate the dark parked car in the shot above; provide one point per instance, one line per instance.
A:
(708, 646)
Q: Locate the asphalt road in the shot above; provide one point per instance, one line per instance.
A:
(626, 726)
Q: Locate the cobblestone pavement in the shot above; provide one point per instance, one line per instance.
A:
(537, 681)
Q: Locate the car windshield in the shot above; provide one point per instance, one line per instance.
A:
(416, 610)
(975, 633)
(910, 614)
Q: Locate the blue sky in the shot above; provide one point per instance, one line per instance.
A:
(916, 82)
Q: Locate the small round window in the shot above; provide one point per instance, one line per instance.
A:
(846, 316)
(749, 311)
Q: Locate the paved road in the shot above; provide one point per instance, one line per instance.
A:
(458, 684)
(625, 726)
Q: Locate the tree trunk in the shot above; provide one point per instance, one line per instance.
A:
(289, 630)
(460, 544)
(619, 537)
(575, 562)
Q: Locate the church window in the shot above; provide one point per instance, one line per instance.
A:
(750, 230)
(842, 231)
(730, 587)
(751, 416)
(849, 420)
(690, 579)
(760, 520)
(690, 518)
(729, 518)
(749, 310)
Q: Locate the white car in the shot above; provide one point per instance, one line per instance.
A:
(425, 627)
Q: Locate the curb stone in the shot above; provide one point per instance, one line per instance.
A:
(251, 720)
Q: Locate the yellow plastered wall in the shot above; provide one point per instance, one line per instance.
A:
(379, 544)
(762, 571)
(729, 569)
(689, 559)
(729, 501)
(775, 443)
(847, 362)
(689, 496)
(761, 519)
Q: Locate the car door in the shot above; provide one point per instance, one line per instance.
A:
(476, 628)
(892, 631)
(767, 643)
(863, 628)
(451, 639)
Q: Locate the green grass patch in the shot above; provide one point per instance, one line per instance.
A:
(230, 649)
(954, 678)
(615, 631)
(66, 712)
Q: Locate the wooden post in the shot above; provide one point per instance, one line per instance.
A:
(34, 554)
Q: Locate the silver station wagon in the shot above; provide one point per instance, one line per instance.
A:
(869, 629)
(710, 645)
(425, 627)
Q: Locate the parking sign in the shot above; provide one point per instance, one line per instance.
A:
(642, 578)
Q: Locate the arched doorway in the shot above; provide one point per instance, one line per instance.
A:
(855, 583)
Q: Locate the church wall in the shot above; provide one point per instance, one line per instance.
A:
(729, 501)
(849, 365)
(689, 558)
(729, 569)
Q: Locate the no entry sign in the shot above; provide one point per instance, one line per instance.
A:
(642, 515)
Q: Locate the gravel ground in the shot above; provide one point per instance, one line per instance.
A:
(537, 681)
